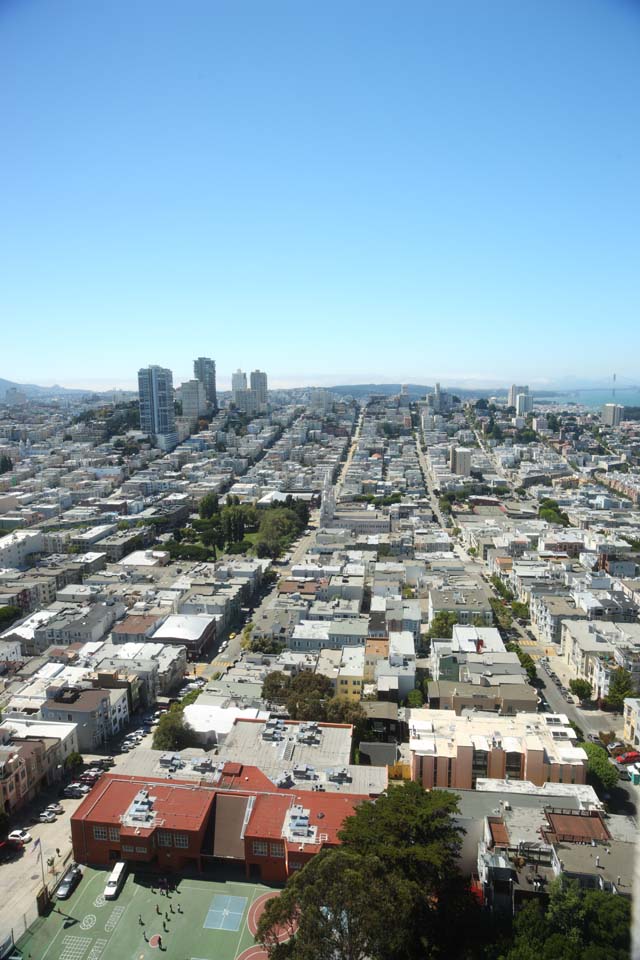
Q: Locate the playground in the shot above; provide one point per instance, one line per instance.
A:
(195, 919)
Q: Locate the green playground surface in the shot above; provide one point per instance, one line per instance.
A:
(207, 917)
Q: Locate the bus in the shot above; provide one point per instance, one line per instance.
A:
(116, 879)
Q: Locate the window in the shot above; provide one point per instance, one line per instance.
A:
(99, 833)
(114, 833)
(164, 838)
(277, 849)
(260, 848)
(127, 848)
(141, 849)
(295, 865)
(181, 840)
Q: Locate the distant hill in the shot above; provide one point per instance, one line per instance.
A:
(388, 389)
(33, 390)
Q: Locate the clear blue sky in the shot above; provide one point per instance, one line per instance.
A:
(330, 191)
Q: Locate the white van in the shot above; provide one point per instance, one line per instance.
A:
(116, 880)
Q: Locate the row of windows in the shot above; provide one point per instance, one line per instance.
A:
(262, 849)
(127, 848)
(165, 838)
(101, 833)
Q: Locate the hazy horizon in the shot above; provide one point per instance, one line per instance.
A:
(320, 191)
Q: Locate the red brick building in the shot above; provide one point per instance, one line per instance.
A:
(179, 824)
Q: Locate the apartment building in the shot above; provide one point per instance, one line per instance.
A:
(455, 751)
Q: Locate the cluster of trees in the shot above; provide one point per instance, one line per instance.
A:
(493, 431)
(6, 463)
(112, 420)
(501, 612)
(310, 696)
(573, 925)
(526, 435)
(550, 511)
(525, 659)
(8, 614)
(272, 529)
(391, 890)
(600, 773)
(501, 588)
(378, 501)
(553, 422)
(520, 610)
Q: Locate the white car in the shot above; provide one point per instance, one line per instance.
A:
(20, 835)
(47, 816)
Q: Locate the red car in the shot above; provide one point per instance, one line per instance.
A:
(633, 756)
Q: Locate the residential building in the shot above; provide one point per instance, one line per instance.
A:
(204, 370)
(514, 391)
(611, 414)
(194, 400)
(258, 382)
(460, 461)
(524, 404)
(157, 416)
(196, 632)
(455, 751)
(238, 384)
(98, 714)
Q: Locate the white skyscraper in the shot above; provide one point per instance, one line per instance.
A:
(157, 416)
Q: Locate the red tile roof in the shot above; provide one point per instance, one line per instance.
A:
(180, 805)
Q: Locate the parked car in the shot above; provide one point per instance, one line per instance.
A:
(69, 882)
(10, 849)
(20, 835)
(126, 747)
(56, 808)
(47, 816)
(631, 756)
(623, 774)
(615, 748)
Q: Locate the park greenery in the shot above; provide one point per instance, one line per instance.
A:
(502, 589)
(239, 528)
(111, 421)
(391, 891)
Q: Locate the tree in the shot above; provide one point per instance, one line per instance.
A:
(600, 772)
(576, 925)
(520, 610)
(581, 688)
(342, 710)
(307, 696)
(620, 687)
(391, 892)
(415, 698)
(173, 732)
(208, 506)
(442, 625)
(73, 760)
(8, 614)
(275, 686)
(6, 463)
(343, 906)
(4, 824)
